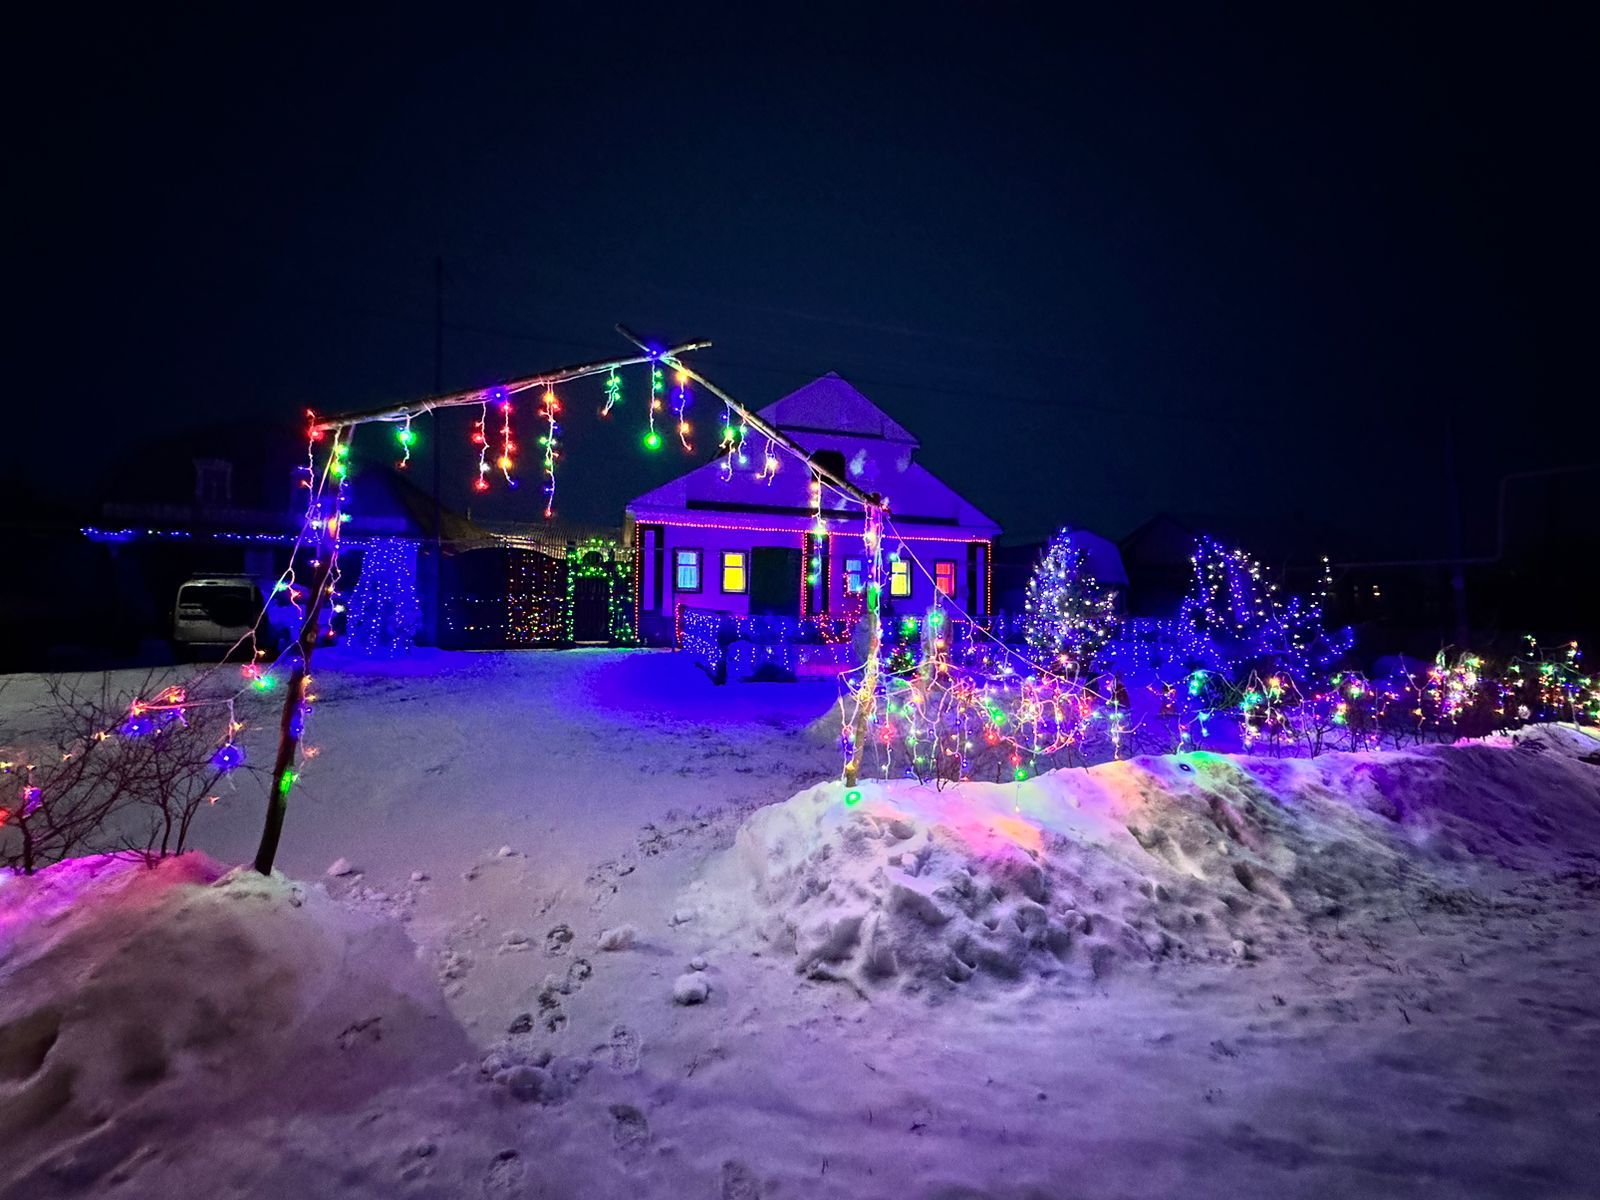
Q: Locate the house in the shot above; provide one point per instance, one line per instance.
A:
(739, 535)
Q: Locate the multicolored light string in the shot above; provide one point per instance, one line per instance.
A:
(508, 447)
(613, 392)
(548, 410)
(680, 407)
(652, 439)
(480, 439)
(406, 436)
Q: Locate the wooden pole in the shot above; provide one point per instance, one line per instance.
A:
(400, 412)
(289, 725)
(864, 498)
(871, 613)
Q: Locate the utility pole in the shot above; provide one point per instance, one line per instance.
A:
(436, 620)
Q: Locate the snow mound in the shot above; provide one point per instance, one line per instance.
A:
(1075, 873)
(141, 1005)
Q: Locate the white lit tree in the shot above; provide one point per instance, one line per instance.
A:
(1068, 615)
(1235, 610)
(385, 612)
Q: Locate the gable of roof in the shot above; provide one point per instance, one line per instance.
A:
(831, 405)
(914, 494)
(826, 410)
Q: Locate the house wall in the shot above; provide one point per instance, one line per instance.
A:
(969, 556)
(658, 594)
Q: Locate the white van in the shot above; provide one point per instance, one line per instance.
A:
(214, 612)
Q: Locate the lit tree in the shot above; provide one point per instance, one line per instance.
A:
(1234, 610)
(1068, 615)
(384, 611)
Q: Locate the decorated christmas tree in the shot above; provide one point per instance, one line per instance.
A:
(1068, 615)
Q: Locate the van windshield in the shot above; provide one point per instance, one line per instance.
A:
(233, 605)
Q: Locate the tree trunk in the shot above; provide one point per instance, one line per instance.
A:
(289, 725)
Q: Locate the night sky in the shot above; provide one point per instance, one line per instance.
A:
(1251, 266)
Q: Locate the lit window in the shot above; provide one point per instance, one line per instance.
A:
(852, 575)
(944, 577)
(900, 577)
(688, 570)
(734, 571)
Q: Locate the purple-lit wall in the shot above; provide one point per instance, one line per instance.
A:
(659, 594)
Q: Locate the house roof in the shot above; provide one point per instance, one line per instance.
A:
(829, 405)
(826, 414)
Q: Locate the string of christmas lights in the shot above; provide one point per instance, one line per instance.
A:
(680, 407)
(480, 439)
(507, 447)
(547, 441)
(652, 439)
(406, 437)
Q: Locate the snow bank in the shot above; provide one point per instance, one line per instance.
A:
(138, 1006)
(1194, 857)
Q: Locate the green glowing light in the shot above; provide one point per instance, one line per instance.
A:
(263, 683)
(286, 783)
(852, 797)
(1020, 774)
(407, 436)
(652, 440)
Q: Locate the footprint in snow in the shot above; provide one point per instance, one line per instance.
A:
(550, 1013)
(739, 1182)
(504, 1174)
(629, 1129)
(625, 1050)
(558, 941)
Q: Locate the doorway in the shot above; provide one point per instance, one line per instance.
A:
(591, 609)
(774, 581)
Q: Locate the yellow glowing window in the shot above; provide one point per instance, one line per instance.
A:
(735, 571)
(944, 577)
(900, 577)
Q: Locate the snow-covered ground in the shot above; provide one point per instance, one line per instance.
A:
(1206, 976)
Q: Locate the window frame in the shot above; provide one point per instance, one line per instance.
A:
(938, 565)
(699, 570)
(744, 571)
(896, 574)
(859, 570)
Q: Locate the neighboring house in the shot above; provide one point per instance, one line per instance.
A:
(230, 500)
(737, 537)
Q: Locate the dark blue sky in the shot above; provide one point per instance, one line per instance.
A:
(1249, 265)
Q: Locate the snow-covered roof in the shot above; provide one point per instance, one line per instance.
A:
(826, 414)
